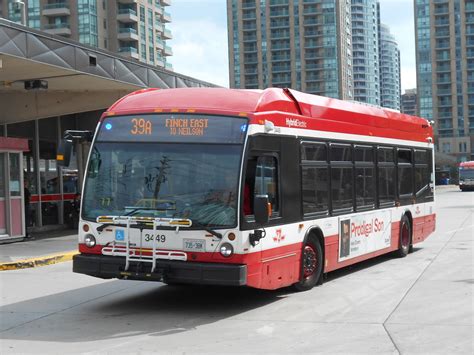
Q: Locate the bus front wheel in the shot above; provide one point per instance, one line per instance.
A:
(405, 237)
(311, 265)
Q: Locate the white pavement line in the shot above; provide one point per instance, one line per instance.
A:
(418, 278)
(390, 337)
(459, 229)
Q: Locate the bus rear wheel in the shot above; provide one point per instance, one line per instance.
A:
(311, 265)
(405, 237)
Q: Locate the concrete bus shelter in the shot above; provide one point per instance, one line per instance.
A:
(49, 84)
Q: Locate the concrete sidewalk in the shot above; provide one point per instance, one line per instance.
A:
(39, 251)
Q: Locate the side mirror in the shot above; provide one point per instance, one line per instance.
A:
(260, 208)
(63, 155)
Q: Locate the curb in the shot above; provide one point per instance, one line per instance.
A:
(39, 261)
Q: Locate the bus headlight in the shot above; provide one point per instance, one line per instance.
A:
(89, 240)
(226, 250)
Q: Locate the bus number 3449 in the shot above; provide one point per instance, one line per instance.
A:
(160, 238)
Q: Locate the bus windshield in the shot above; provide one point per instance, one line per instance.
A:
(164, 179)
(466, 173)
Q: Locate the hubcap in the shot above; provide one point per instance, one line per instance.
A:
(310, 262)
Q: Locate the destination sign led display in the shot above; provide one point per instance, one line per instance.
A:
(174, 128)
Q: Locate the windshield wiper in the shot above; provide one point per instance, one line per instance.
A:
(207, 229)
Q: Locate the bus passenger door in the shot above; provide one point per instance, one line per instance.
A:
(263, 179)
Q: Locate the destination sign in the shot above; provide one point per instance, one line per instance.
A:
(174, 128)
(187, 126)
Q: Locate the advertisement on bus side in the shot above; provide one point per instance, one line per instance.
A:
(364, 233)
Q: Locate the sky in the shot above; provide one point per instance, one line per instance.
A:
(200, 43)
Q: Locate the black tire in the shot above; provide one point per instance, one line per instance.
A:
(311, 265)
(404, 244)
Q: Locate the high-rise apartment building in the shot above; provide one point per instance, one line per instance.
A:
(389, 58)
(365, 43)
(409, 104)
(133, 28)
(445, 72)
(304, 45)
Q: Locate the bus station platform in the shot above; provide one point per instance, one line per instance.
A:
(43, 249)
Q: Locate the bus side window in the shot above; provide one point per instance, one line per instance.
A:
(386, 176)
(423, 174)
(405, 172)
(261, 179)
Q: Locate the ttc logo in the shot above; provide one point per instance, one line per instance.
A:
(278, 238)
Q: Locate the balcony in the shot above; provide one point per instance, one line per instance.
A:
(128, 1)
(127, 15)
(280, 58)
(168, 51)
(56, 9)
(130, 52)
(127, 34)
(281, 69)
(158, 8)
(250, 38)
(279, 47)
(278, 2)
(159, 60)
(160, 44)
(169, 66)
(443, 68)
(166, 2)
(61, 29)
(249, 4)
(279, 24)
(159, 27)
(280, 35)
(249, 16)
(166, 16)
(167, 34)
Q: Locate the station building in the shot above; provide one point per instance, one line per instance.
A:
(49, 84)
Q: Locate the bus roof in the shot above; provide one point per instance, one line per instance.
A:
(287, 101)
(467, 165)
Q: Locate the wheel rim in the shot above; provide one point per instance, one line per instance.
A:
(405, 235)
(310, 261)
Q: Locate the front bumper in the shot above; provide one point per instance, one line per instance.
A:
(171, 271)
(466, 185)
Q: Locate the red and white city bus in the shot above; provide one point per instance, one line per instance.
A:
(466, 175)
(248, 187)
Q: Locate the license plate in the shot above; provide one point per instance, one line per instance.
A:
(194, 245)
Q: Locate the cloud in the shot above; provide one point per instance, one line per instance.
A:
(200, 50)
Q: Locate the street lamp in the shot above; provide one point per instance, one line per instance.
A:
(22, 6)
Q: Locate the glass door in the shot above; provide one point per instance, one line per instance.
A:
(16, 195)
(3, 204)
